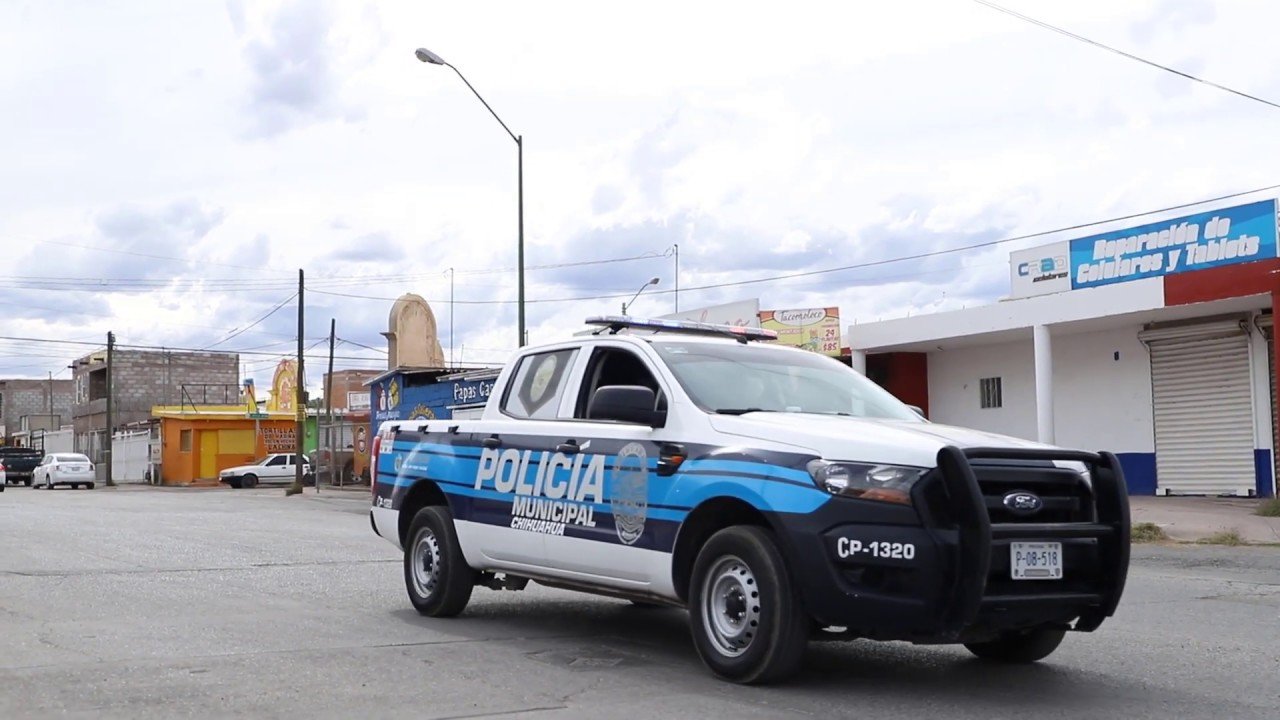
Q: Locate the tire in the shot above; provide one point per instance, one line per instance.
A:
(1019, 647)
(249, 482)
(436, 575)
(748, 623)
(29, 481)
(88, 486)
(48, 482)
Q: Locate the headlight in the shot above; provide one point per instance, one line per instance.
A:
(887, 483)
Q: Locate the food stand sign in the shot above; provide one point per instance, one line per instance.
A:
(816, 329)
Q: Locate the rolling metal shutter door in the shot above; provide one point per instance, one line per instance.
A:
(1203, 408)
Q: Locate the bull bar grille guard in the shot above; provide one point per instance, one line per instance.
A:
(1111, 528)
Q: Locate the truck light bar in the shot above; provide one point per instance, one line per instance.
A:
(615, 323)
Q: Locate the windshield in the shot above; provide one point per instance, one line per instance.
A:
(733, 379)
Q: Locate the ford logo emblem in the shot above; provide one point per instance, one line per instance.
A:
(1023, 503)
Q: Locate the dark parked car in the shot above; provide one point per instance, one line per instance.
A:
(18, 463)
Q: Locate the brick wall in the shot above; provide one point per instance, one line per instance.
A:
(345, 381)
(31, 397)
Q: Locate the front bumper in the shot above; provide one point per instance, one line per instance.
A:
(942, 574)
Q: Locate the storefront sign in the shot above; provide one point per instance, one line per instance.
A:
(279, 439)
(1040, 270)
(358, 400)
(1195, 242)
(471, 392)
(816, 329)
(744, 313)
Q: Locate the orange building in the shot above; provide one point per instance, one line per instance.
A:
(199, 442)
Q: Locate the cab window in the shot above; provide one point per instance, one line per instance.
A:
(616, 366)
(538, 384)
(276, 461)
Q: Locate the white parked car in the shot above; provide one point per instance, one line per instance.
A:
(3, 479)
(275, 468)
(71, 469)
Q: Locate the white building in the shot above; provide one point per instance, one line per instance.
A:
(1153, 342)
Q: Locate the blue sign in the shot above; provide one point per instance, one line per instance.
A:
(399, 398)
(1196, 242)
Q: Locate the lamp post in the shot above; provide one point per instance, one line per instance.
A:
(427, 56)
(625, 305)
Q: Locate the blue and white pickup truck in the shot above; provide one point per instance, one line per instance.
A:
(775, 493)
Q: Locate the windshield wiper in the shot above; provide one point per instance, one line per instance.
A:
(740, 411)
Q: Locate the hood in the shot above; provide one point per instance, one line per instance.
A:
(834, 437)
(240, 469)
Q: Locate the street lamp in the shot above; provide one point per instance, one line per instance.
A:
(429, 57)
(625, 305)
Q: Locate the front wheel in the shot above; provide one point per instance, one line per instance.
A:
(1019, 647)
(48, 482)
(249, 481)
(747, 620)
(29, 481)
(436, 574)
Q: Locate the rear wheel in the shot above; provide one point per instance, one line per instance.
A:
(48, 482)
(88, 486)
(747, 620)
(249, 481)
(29, 481)
(436, 574)
(1019, 647)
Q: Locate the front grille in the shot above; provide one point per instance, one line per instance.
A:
(1065, 494)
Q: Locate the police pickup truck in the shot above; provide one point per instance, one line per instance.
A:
(776, 494)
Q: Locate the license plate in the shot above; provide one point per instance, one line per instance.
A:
(1036, 560)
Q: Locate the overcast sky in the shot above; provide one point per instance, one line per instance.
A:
(166, 168)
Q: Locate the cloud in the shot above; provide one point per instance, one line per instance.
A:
(1171, 16)
(374, 248)
(291, 58)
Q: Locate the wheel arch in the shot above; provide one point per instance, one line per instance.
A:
(708, 518)
(423, 493)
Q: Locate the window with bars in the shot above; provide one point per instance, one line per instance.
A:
(990, 393)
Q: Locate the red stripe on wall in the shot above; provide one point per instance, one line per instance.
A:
(1244, 279)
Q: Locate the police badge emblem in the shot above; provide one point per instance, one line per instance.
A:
(629, 496)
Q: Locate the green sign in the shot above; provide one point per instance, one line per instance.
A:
(258, 416)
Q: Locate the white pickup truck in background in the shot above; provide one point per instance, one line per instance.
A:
(772, 491)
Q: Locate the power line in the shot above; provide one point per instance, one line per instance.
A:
(251, 325)
(1122, 53)
(162, 348)
(360, 345)
(97, 284)
(855, 266)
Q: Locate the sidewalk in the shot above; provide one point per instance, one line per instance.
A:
(1187, 519)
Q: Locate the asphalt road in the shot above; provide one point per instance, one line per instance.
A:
(154, 603)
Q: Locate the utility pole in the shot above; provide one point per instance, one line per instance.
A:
(50, 409)
(299, 399)
(328, 407)
(106, 454)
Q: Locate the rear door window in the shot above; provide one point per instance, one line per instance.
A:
(538, 385)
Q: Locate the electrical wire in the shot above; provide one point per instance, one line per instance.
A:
(1122, 53)
(360, 345)
(253, 324)
(842, 268)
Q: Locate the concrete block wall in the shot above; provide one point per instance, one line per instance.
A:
(21, 397)
(145, 378)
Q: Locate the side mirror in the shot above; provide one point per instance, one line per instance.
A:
(917, 410)
(626, 403)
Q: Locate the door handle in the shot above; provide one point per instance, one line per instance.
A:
(568, 447)
(491, 442)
